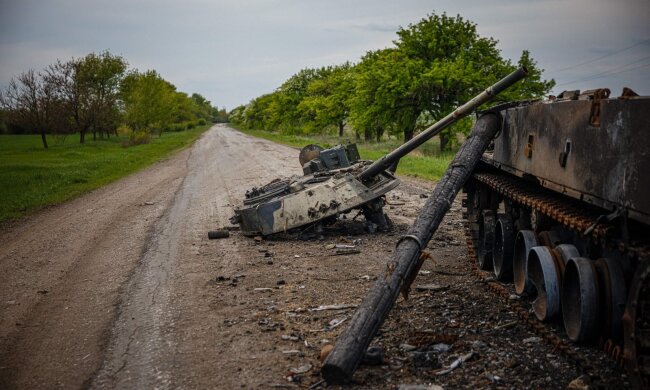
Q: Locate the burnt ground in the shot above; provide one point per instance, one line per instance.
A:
(122, 288)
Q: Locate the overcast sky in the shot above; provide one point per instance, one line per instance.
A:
(232, 51)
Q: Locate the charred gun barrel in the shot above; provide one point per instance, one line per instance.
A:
(351, 345)
(461, 112)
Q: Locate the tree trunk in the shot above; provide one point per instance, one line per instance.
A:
(352, 344)
(94, 135)
(341, 126)
(408, 134)
(444, 140)
(367, 134)
(82, 137)
(44, 138)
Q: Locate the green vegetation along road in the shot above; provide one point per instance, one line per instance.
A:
(32, 177)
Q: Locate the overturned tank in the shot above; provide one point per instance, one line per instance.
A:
(336, 181)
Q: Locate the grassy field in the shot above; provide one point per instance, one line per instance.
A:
(426, 162)
(31, 177)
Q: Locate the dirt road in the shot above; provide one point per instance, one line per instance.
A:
(121, 288)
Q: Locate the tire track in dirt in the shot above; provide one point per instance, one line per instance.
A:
(62, 273)
(145, 350)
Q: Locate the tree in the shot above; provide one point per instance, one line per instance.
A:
(89, 87)
(284, 106)
(148, 101)
(202, 107)
(437, 64)
(327, 101)
(102, 74)
(384, 97)
(457, 64)
(31, 102)
(219, 115)
(263, 113)
(237, 115)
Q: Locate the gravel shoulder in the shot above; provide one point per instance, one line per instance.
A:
(122, 288)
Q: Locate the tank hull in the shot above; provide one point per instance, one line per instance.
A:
(556, 144)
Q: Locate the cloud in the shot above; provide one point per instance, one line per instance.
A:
(231, 51)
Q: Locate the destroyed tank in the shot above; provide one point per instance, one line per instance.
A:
(560, 206)
(329, 187)
(336, 181)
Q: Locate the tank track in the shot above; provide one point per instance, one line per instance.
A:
(634, 352)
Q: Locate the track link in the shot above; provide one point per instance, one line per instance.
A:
(585, 220)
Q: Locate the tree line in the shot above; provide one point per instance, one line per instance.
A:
(435, 65)
(98, 94)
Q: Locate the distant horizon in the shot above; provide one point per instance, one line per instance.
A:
(231, 52)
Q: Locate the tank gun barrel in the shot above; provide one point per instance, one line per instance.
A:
(459, 113)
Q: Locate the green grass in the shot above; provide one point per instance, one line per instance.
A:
(32, 177)
(425, 162)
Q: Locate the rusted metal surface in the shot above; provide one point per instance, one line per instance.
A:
(502, 251)
(308, 153)
(580, 301)
(633, 352)
(558, 345)
(636, 322)
(569, 213)
(593, 149)
(525, 241)
(544, 276)
(486, 224)
(596, 97)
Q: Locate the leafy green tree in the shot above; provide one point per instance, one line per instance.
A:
(89, 86)
(284, 106)
(254, 113)
(457, 64)
(327, 101)
(437, 64)
(148, 101)
(202, 107)
(237, 115)
(219, 115)
(532, 87)
(383, 97)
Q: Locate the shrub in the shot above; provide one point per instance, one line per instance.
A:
(139, 138)
(124, 131)
(176, 127)
(191, 125)
(133, 137)
(202, 122)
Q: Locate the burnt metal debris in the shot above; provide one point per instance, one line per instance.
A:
(336, 181)
(560, 203)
